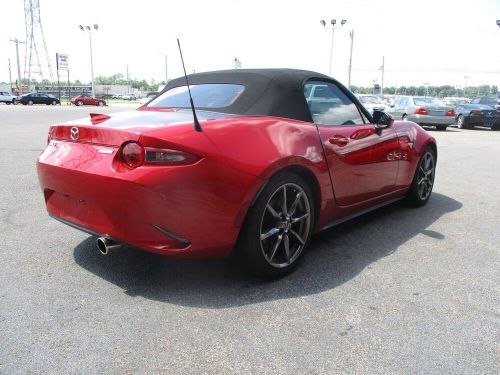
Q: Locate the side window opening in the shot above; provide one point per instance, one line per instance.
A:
(330, 106)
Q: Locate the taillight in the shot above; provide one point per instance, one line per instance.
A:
(421, 111)
(133, 154)
(476, 113)
(451, 112)
(163, 156)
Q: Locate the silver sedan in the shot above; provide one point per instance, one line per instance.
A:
(423, 110)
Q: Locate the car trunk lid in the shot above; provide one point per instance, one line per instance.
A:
(115, 129)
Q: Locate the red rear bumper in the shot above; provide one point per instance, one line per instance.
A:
(179, 211)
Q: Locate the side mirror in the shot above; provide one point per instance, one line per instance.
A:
(382, 120)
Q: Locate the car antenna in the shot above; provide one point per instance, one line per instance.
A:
(197, 125)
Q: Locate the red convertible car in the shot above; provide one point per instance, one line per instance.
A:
(271, 157)
(87, 100)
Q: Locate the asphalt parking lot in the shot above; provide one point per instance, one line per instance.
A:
(400, 291)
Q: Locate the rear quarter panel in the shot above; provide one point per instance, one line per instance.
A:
(257, 148)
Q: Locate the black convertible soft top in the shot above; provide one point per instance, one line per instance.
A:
(268, 92)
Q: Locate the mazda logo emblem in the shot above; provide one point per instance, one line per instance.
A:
(75, 133)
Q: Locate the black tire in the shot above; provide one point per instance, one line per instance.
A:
(419, 194)
(30, 102)
(79, 103)
(100, 104)
(14, 101)
(54, 102)
(271, 242)
(8, 103)
(441, 128)
(461, 122)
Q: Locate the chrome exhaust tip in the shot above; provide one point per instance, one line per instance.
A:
(107, 245)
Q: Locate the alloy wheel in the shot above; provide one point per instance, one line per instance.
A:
(460, 122)
(425, 177)
(285, 225)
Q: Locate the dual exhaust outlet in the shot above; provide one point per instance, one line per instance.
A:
(107, 245)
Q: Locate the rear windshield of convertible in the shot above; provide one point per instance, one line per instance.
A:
(208, 95)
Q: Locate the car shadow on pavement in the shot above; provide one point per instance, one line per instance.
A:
(335, 256)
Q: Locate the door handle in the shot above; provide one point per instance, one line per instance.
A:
(339, 140)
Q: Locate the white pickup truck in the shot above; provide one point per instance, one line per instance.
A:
(7, 98)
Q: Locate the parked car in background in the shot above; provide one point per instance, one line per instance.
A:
(373, 102)
(470, 115)
(7, 98)
(148, 97)
(423, 110)
(37, 98)
(129, 97)
(87, 100)
(492, 100)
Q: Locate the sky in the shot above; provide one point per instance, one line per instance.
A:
(437, 42)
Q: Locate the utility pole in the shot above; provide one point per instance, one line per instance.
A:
(351, 34)
(10, 78)
(16, 41)
(382, 68)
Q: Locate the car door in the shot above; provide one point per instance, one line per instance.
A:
(399, 108)
(44, 99)
(85, 99)
(362, 159)
(35, 98)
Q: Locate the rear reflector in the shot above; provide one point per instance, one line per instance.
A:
(421, 111)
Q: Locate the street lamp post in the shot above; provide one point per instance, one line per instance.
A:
(89, 29)
(351, 34)
(333, 22)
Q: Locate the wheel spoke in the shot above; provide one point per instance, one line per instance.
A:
(275, 248)
(273, 212)
(297, 219)
(283, 204)
(295, 203)
(297, 236)
(286, 241)
(269, 233)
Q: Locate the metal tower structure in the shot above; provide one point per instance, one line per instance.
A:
(36, 56)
